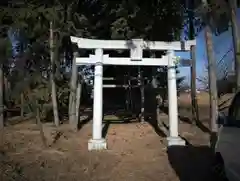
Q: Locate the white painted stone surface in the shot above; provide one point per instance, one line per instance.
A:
(176, 141)
(97, 142)
(86, 43)
(173, 138)
(123, 61)
(94, 144)
(136, 49)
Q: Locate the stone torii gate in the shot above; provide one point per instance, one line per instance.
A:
(136, 47)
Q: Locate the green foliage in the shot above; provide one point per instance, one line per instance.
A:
(5, 49)
(215, 13)
(63, 91)
(151, 20)
(37, 89)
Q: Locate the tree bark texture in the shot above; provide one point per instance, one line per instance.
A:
(52, 77)
(212, 80)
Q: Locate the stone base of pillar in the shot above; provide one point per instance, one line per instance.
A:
(100, 144)
(176, 141)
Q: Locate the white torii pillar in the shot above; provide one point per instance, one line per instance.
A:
(174, 138)
(136, 59)
(98, 142)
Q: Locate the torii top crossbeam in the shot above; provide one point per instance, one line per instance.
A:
(86, 43)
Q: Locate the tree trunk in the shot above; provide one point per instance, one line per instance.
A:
(1, 106)
(6, 88)
(78, 101)
(57, 59)
(195, 115)
(131, 104)
(141, 81)
(72, 96)
(212, 81)
(22, 105)
(52, 77)
(236, 41)
(70, 103)
(142, 102)
(40, 126)
(30, 108)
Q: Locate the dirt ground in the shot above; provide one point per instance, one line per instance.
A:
(136, 152)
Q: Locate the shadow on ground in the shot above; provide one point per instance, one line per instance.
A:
(128, 118)
(192, 163)
(87, 114)
(161, 130)
(117, 117)
(186, 117)
(199, 124)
